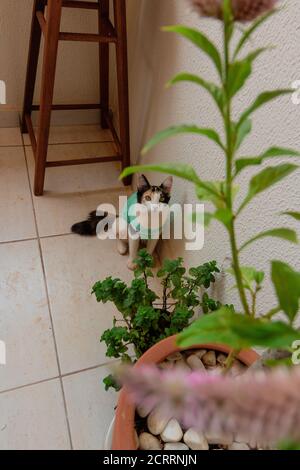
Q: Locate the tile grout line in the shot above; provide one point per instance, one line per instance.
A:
(67, 374)
(48, 300)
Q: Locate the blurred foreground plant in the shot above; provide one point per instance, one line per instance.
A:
(261, 407)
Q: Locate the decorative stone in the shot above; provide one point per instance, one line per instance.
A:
(236, 369)
(200, 353)
(176, 446)
(238, 446)
(195, 363)
(172, 432)
(141, 411)
(218, 439)
(149, 442)
(221, 359)
(166, 365)
(209, 359)
(195, 440)
(242, 439)
(182, 365)
(157, 422)
(175, 357)
(217, 370)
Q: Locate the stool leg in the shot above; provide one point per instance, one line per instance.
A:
(122, 78)
(104, 65)
(47, 89)
(33, 56)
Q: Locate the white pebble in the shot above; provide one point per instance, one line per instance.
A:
(238, 446)
(209, 359)
(149, 442)
(200, 353)
(174, 357)
(176, 446)
(157, 422)
(218, 439)
(195, 440)
(172, 432)
(222, 358)
(195, 363)
(141, 411)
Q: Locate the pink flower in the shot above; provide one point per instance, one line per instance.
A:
(243, 10)
(261, 406)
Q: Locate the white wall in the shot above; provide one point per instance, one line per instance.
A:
(155, 58)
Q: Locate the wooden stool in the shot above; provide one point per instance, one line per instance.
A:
(50, 27)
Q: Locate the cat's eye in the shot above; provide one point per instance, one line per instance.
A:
(162, 199)
(148, 198)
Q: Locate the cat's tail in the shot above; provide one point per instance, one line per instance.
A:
(88, 228)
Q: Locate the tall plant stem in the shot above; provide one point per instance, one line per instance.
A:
(230, 151)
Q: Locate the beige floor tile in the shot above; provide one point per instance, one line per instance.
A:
(24, 317)
(72, 192)
(33, 418)
(90, 408)
(10, 136)
(83, 150)
(73, 264)
(72, 134)
(16, 212)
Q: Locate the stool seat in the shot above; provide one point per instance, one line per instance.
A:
(46, 20)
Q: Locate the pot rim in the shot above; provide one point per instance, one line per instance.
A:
(123, 435)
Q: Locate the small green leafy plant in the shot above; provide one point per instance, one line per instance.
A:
(237, 329)
(147, 318)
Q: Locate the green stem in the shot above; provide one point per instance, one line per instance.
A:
(230, 151)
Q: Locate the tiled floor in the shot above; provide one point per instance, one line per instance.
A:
(51, 396)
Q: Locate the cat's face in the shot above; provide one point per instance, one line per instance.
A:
(154, 196)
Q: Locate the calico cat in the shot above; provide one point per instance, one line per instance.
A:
(130, 229)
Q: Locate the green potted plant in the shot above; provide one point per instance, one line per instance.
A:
(146, 317)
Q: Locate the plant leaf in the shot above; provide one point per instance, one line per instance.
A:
(237, 331)
(248, 33)
(265, 179)
(199, 40)
(262, 99)
(294, 215)
(250, 275)
(242, 131)
(180, 170)
(272, 152)
(283, 233)
(253, 55)
(239, 72)
(183, 129)
(224, 216)
(213, 193)
(215, 91)
(287, 286)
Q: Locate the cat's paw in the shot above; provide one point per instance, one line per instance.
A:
(131, 265)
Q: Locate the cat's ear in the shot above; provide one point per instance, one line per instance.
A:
(143, 184)
(167, 185)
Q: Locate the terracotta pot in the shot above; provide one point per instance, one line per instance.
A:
(123, 435)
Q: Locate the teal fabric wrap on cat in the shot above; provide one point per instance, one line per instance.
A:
(129, 214)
